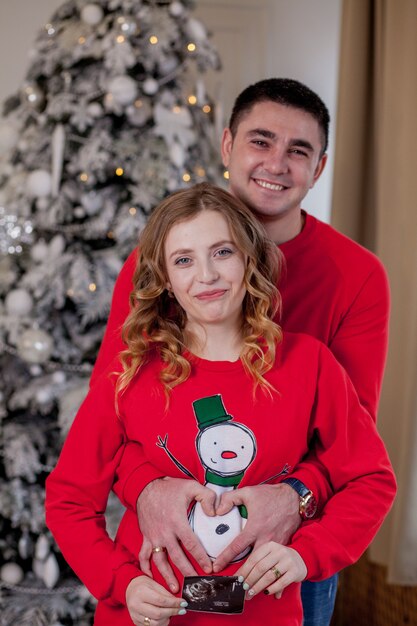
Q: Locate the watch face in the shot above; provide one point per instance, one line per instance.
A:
(308, 506)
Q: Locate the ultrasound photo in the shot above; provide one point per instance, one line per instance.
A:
(213, 594)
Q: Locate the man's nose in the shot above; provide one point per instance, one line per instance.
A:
(276, 161)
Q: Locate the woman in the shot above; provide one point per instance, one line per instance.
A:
(214, 392)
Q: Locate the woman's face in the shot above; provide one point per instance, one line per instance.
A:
(206, 270)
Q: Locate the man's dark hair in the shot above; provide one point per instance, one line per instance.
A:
(285, 91)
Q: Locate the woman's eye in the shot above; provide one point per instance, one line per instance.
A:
(224, 252)
(184, 260)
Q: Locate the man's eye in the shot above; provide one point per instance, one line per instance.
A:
(299, 152)
(260, 143)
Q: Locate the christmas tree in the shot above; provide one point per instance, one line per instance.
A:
(113, 115)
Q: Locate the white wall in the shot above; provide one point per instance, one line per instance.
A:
(290, 38)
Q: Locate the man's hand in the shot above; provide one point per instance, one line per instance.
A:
(162, 512)
(272, 516)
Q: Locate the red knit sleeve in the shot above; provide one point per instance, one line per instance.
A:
(76, 496)
(112, 341)
(351, 451)
(361, 342)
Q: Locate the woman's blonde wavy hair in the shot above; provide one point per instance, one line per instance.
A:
(156, 320)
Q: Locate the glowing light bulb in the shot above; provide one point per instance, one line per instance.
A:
(132, 210)
(81, 40)
(176, 109)
(191, 47)
(192, 99)
(206, 108)
(120, 39)
(119, 171)
(92, 287)
(186, 177)
(84, 177)
(153, 39)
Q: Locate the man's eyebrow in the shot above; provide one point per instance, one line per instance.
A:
(263, 132)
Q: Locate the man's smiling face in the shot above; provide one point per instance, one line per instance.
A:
(273, 159)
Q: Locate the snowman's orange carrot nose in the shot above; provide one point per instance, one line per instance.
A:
(229, 454)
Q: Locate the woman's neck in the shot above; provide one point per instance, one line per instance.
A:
(215, 343)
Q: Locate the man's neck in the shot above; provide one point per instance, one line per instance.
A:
(285, 227)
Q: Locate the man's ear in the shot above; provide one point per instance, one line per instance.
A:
(226, 146)
(319, 169)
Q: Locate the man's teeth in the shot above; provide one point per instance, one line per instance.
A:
(266, 185)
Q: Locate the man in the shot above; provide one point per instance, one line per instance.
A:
(275, 151)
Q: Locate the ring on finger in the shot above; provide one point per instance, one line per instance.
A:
(157, 549)
(276, 572)
(146, 621)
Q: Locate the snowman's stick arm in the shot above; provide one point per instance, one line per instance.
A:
(284, 470)
(163, 443)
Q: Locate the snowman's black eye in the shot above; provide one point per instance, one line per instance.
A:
(215, 443)
(243, 447)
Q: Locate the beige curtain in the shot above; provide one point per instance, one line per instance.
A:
(375, 202)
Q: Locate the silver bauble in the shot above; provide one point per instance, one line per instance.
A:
(35, 346)
(92, 14)
(11, 574)
(18, 302)
(123, 89)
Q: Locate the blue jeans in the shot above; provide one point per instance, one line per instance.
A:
(318, 601)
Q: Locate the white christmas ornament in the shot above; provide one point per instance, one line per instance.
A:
(95, 109)
(50, 571)
(39, 183)
(123, 89)
(177, 154)
(42, 548)
(176, 8)
(196, 29)
(11, 574)
(39, 251)
(127, 25)
(150, 86)
(35, 346)
(92, 14)
(18, 302)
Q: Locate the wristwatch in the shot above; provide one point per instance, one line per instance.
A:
(308, 503)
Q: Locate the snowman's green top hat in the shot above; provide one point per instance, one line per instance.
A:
(209, 411)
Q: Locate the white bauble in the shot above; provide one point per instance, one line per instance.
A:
(11, 574)
(50, 571)
(18, 302)
(150, 86)
(127, 25)
(39, 251)
(59, 377)
(39, 183)
(177, 154)
(95, 109)
(35, 346)
(176, 8)
(79, 212)
(44, 395)
(42, 548)
(92, 14)
(123, 89)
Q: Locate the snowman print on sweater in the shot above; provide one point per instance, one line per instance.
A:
(225, 449)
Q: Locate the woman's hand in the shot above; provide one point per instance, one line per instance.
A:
(145, 598)
(272, 567)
